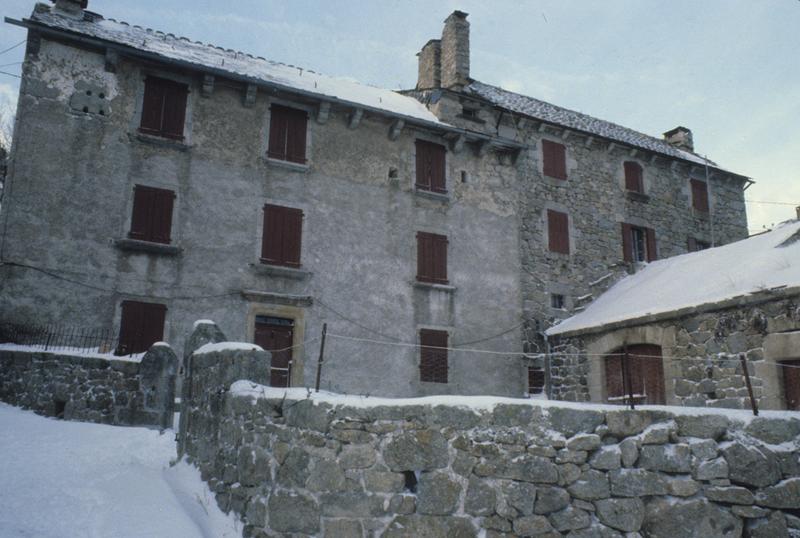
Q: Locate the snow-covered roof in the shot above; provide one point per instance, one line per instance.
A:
(769, 261)
(257, 69)
(580, 122)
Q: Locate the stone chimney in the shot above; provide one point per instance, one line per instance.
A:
(73, 7)
(455, 51)
(430, 65)
(680, 137)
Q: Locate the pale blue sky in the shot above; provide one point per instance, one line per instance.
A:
(727, 69)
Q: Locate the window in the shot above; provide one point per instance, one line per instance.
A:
(535, 380)
(163, 108)
(558, 231)
(280, 242)
(431, 258)
(695, 245)
(634, 181)
(699, 195)
(287, 134)
(638, 243)
(152, 214)
(433, 356)
(142, 325)
(557, 301)
(637, 369)
(554, 158)
(430, 167)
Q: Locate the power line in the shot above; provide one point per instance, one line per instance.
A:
(12, 47)
(9, 74)
(771, 202)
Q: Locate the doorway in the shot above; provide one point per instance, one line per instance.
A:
(276, 336)
(646, 375)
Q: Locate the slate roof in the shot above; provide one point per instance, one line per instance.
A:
(578, 121)
(171, 47)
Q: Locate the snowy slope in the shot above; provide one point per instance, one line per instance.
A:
(753, 265)
(70, 479)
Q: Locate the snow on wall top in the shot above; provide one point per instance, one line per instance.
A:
(172, 47)
(762, 262)
(579, 121)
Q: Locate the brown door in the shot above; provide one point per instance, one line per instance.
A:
(276, 335)
(791, 384)
(646, 369)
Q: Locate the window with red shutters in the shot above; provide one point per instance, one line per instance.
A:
(287, 134)
(433, 356)
(282, 235)
(699, 195)
(554, 158)
(535, 380)
(640, 365)
(695, 245)
(141, 326)
(152, 214)
(430, 166)
(431, 258)
(558, 231)
(163, 108)
(634, 180)
(638, 243)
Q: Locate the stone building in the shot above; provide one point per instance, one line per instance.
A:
(685, 323)
(155, 181)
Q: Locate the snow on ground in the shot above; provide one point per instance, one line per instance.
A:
(72, 479)
(481, 403)
(90, 352)
(760, 263)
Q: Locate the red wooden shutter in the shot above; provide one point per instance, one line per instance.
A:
(423, 178)
(650, 236)
(152, 214)
(278, 131)
(293, 235)
(791, 384)
(140, 219)
(554, 159)
(438, 168)
(440, 258)
(699, 195)
(162, 216)
(432, 258)
(152, 105)
(615, 388)
(174, 109)
(627, 242)
(297, 122)
(272, 234)
(433, 361)
(558, 231)
(141, 325)
(633, 177)
(431, 166)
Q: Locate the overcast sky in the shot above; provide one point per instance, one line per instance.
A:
(727, 69)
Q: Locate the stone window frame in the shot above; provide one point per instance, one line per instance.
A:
(263, 146)
(188, 121)
(297, 314)
(600, 345)
(573, 232)
(305, 233)
(646, 180)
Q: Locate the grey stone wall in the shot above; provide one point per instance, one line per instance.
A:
(290, 465)
(92, 389)
(701, 348)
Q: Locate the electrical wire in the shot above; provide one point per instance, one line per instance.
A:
(771, 202)
(12, 47)
(9, 74)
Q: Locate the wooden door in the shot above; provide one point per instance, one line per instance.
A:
(791, 384)
(646, 370)
(276, 336)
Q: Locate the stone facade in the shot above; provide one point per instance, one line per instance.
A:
(295, 464)
(92, 389)
(701, 348)
(77, 137)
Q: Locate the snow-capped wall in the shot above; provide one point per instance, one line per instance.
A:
(290, 461)
(91, 388)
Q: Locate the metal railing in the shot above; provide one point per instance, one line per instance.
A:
(69, 339)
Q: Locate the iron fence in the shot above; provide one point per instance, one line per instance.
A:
(61, 338)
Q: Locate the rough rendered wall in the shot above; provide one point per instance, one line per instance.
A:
(701, 350)
(287, 464)
(68, 206)
(92, 389)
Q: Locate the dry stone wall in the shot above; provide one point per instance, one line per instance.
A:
(290, 464)
(92, 389)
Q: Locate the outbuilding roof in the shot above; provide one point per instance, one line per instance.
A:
(760, 265)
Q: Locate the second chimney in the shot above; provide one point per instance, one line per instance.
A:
(680, 137)
(455, 51)
(430, 65)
